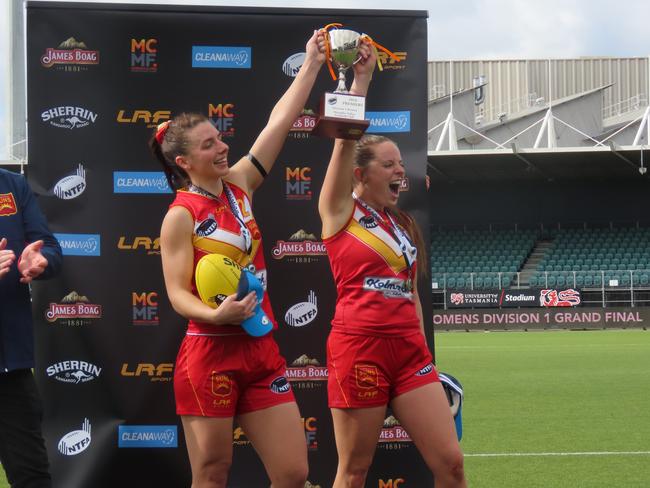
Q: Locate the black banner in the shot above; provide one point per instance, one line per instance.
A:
(513, 297)
(100, 77)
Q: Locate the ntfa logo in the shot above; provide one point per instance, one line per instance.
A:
(72, 185)
(143, 55)
(303, 125)
(74, 310)
(298, 183)
(222, 117)
(391, 483)
(310, 432)
(390, 63)
(70, 55)
(156, 372)
(302, 247)
(302, 313)
(152, 246)
(564, 298)
(293, 63)
(145, 308)
(69, 117)
(76, 441)
(149, 118)
(74, 372)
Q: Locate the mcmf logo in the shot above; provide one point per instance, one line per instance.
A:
(310, 432)
(390, 63)
(303, 313)
(71, 54)
(72, 185)
(152, 246)
(293, 63)
(391, 483)
(79, 244)
(151, 119)
(145, 308)
(298, 183)
(222, 117)
(140, 182)
(74, 372)
(69, 117)
(139, 436)
(221, 57)
(389, 121)
(156, 372)
(76, 441)
(143, 55)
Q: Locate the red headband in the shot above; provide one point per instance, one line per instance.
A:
(162, 130)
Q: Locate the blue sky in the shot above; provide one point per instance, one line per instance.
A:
(480, 29)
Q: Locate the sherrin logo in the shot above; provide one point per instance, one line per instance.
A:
(293, 63)
(72, 185)
(73, 371)
(69, 117)
(302, 313)
(76, 441)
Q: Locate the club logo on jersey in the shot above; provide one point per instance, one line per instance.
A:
(7, 204)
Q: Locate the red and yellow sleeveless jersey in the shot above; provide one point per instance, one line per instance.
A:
(217, 231)
(371, 277)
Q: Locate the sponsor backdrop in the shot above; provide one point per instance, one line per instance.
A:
(100, 77)
(512, 298)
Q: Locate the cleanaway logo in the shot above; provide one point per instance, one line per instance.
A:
(147, 436)
(79, 244)
(221, 57)
(389, 121)
(140, 182)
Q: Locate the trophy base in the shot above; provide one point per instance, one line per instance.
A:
(342, 116)
(335, 128)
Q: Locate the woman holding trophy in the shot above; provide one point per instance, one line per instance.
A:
(221, 371)
(376, 351)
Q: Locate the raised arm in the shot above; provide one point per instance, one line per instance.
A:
(335, 203)
(270, 141)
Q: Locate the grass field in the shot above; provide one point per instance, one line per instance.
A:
(554, 409)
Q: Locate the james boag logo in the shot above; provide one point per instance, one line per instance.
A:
(162, 372)
(393, 436)
(298, 183)
(310, 432)
(74, 310)
(233, 57)
(72, 185)
(293, 63)
(7, 204)
(140, 182)
(143, 55)
(303, 125)
(145, 436)
(76, 441)
(145, 308)
(222, 116)
(80, 244)
(306, 373)
(148, 117)
(390, 63)
(302, 313)
(69, 117)
(70, 55)
(391, 483)
(302, 247)
(399, 121)
(151, 246)
(457, 298)
(564, 298)
(73, 371)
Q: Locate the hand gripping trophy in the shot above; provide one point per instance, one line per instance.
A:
(342, 115)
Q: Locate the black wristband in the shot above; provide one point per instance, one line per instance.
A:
(257, 164)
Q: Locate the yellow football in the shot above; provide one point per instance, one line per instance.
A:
(216, 277)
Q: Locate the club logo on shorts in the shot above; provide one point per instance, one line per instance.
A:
(367, 378)
(221, 387)
(426, 370)
(280, 385)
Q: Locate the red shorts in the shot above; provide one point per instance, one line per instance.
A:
(229, 375)
(369, 371)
